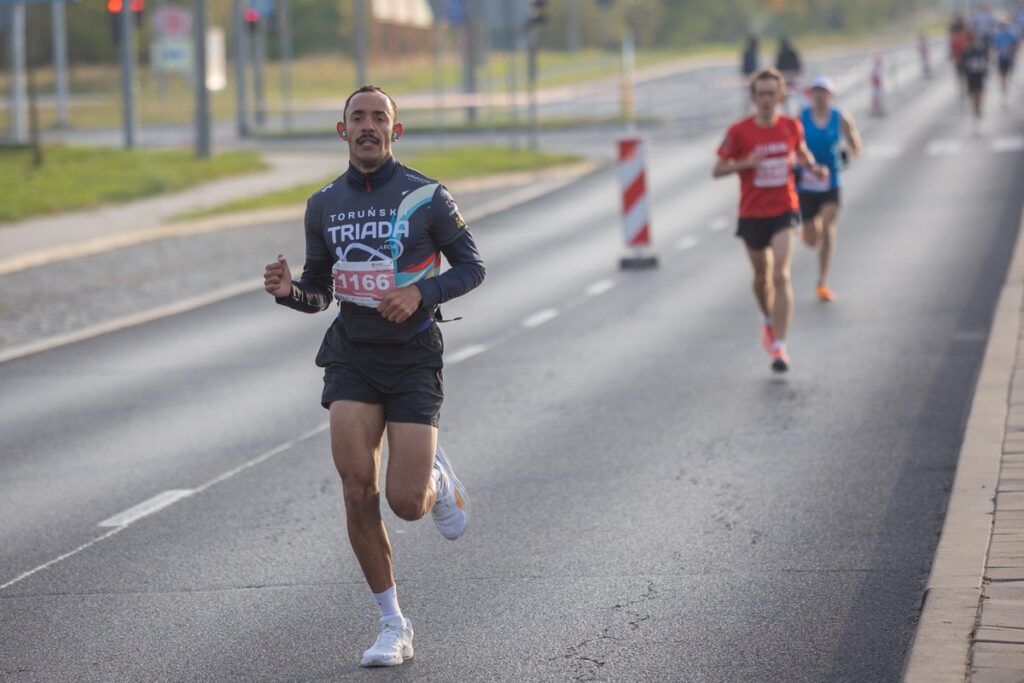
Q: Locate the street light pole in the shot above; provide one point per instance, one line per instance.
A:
(127, 25)
(360, 29)
(60, 60)
(202, 91)
(19, 127)
(241, 104)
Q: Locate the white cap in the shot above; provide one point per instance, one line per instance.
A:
(823, 82)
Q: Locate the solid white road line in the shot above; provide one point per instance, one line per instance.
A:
(146, 507)
(465, 353)
(131, 320)
(540, 317)
(687, 242)
(199, 489)
(599, 287)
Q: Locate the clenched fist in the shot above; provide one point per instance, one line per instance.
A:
(277, 278)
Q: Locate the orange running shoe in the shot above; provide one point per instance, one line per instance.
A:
(780, 360)
(825, 294)
(767, 337)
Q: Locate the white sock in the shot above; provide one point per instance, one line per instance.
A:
(778, 345)
(767, 320)
(387, 603)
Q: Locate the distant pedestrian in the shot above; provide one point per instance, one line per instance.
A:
(788, 63)
(750, 62)
(976, 64)
(1006, 43)
(958, 41)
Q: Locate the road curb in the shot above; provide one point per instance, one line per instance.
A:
(952, 602)
(120, 240)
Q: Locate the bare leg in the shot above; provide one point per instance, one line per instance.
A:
(782, 308)
(356, 432)
(761, 260)
(829, 217)
(811, 231)
(409, 490)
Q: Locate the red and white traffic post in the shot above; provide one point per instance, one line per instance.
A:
(636, 220)
(878, 86)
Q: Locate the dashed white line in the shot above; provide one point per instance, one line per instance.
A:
(146, 507)
(1008, 144)
(540, 317)
(882, 151)
(199, 489)
(720, 223)
(937, 148)
(465, 353)
(688, 242)
(599, 287)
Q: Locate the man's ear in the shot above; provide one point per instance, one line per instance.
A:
(397, 131)
(342, 133)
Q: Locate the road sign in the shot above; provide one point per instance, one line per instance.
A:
(172, 55)
(172, 22)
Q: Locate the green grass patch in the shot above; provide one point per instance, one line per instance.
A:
(77, 178)
(446, 164)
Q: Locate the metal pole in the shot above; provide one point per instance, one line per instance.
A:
(439, 81)
(241, 103)
(360, 29)
(573, 28)
(531, 77)
(202, 93)
(19, 127)
(259, 60)
(60, 60)
(127, 75)
(469, 58)
(284, 42)
(512, 34)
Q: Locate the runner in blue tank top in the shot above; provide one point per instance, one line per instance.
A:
(824, 128)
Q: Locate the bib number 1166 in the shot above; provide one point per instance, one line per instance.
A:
(363, 282)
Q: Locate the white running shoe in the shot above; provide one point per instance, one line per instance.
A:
(451, 509)
(393, 646)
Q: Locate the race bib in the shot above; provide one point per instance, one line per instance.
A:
(772, 172)
(363, 282)
(812, 183)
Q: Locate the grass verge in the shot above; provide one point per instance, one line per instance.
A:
(447, 164)
(77, 178)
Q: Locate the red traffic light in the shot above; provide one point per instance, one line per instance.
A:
(114, 6)
(251, 15)
(137, 5)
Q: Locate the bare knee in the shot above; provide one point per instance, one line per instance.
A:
(361, 497)
(780, 278)
(407, 505)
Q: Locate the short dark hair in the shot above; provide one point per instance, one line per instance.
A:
(768, 75)
(370, 88)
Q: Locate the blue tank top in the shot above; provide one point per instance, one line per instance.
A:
(824, 145)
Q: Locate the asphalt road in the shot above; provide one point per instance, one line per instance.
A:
(650, 502)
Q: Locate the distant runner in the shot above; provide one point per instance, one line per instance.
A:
(824, 128)
(975, 61)
(374, 239)
(760, 149)
(1006, 42)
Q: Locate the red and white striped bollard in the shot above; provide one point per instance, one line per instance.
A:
(636, 220)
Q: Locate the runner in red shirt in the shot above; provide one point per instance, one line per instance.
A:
(761, 149)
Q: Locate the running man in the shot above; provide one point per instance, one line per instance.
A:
(824, 128)
(1006, 42)
(760, 149)
(374, 239)
(975, 61)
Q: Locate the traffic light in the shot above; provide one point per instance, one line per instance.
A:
(538, 14)
(251, 16)
(114, 7)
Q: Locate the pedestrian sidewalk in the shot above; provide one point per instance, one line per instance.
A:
(49, 239)
(972, 621)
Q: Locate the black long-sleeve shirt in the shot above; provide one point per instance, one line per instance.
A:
(364, 223)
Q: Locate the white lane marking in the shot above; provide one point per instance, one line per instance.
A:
(199, 489)
(61, 558)
(540, 317)
(146, 507)
(937, 148)
(465, 353)
(882, 151)
(599, 287)
(720, 223)
(688, 242)
(130, 320)
(1008, 144)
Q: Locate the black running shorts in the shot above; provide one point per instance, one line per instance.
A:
(1005, 65)
(404, 378)
(975, 83)
(811, 202)
(757, 233)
